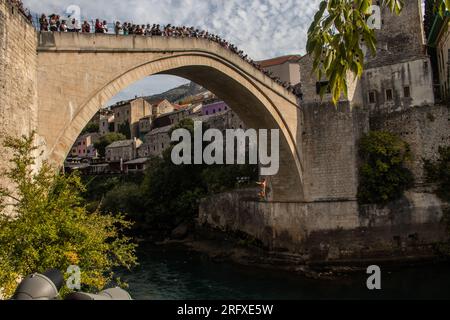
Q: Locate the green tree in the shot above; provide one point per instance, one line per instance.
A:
(50, 228)
(383, 176)
(92, 127)
(106, 140)
(125, 129)
(336, 35)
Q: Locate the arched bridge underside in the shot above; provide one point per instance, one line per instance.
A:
(79, 73)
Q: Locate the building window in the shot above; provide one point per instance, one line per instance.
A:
(389, 96)
(322, 84)
(220, 109)
(162, 145)
(214, 110)
(207, 112)
(372, 98)
(406, 92)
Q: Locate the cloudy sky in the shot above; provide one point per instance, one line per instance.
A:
(262, 28)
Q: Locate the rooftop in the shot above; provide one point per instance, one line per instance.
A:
(121, 144)
(138, 161)
(279, 60)
(160, 130)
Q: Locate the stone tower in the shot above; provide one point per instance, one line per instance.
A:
(401, 37)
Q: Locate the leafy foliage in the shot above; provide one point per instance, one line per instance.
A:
(92, 127)
(337, 34)
(106, 140)
(169, 194)
(125, 129)
(383, 176)
(439, 172)
(50, 228)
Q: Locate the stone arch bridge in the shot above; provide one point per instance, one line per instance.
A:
(78, 73)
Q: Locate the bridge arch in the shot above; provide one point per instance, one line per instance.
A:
(100, 66)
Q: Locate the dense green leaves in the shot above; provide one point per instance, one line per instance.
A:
(48, 226)
(92, 127)
(383, 176)
(169, 194)
(337, 35)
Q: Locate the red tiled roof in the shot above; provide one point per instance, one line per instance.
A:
(279, 60)
(180, 107)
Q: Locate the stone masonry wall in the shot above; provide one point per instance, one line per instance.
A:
(18, 59)
(425, 129)
(401, 38)
(331, 231)
(330, 138)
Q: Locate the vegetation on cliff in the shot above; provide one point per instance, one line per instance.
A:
(383, 175)
(49, 226)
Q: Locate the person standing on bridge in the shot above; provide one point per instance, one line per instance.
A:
(148, 30)
(126, 28)
(53, 23)
(43, 23)
(117, 28)
(86, 27)
(63, 26)
(105, 26)
(76, 25)
(98, 26)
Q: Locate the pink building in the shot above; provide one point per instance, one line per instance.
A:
(213, 108)
(84, 146)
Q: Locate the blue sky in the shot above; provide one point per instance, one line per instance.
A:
(262, 28)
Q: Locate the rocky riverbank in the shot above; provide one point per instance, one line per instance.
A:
(242, 250)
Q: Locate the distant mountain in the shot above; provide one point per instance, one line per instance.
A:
(176, 94)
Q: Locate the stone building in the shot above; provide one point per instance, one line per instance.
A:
(286, 68)
(156, 142)
(439, 39)
(145, 125)
(129, 112)
(106, 122)
(398, 77)
(159, 109)
(122, 151)
(136, 166)
(175, 117)
(162, 107)
(311, 87)
(215, 107)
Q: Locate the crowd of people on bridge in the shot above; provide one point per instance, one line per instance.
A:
(54, 23)
(19, 4)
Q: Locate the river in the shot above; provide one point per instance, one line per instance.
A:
(173, 272)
